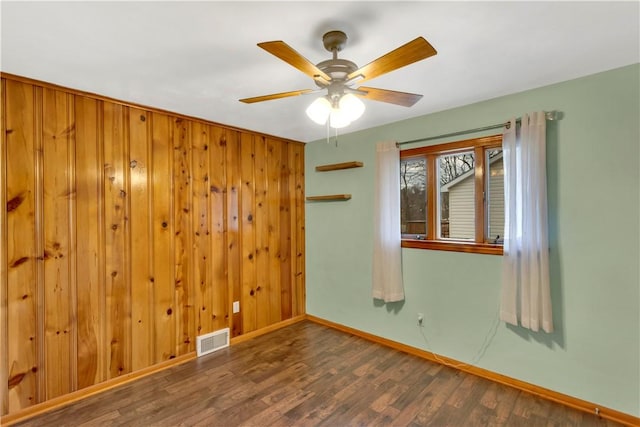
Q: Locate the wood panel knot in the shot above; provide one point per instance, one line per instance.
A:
(13, 204)
(16, 379)
(19, 261)
(143, 118)
(133, 164)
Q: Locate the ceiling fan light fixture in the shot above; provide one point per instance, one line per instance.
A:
(319, 110)
(351, 106)
(339, 118)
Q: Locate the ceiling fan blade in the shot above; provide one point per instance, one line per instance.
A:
(292, 57)
(409, 53)
(391, 96)
(275, 96)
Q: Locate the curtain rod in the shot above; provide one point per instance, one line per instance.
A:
(549, 115)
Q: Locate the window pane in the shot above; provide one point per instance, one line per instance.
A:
(456, 196)
(413, 197)
(495, 195)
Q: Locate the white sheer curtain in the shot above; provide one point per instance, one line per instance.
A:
(387, 261)
(526, 294)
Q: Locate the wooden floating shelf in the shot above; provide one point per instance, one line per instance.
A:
(330, 197)
(337, 166)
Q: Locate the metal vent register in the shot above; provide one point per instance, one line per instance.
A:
(209, 343)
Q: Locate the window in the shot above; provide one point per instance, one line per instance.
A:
(452, 196)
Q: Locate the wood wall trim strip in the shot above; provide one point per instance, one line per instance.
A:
(285, 234)
(116, 200)
(70, 398)
(127, 353)
(261, 215)
(542, 392)
(88, 213)
(300, 276)
(73, 243)
(4, 353)
(140, 230)
(58, 195)
(103, 366)
(99, 97)
(216, 185)
(247, 241)
(274, 159)
(39, 246)
(234, 230)
(292, 229)
(183, 191)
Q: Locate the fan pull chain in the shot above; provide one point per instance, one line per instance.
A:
(328, 132)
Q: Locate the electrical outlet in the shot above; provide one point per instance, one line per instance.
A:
(236, 307)
(420, 319)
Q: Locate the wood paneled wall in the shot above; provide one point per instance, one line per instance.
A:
(129, 231)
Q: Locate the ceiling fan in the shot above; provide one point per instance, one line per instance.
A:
(340, 106)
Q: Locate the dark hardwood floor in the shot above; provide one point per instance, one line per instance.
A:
(306, 375)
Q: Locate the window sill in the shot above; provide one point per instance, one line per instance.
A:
(439, 245)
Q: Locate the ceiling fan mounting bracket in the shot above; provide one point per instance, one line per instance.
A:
(334, 41)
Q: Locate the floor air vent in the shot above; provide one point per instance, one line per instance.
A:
(209, 343)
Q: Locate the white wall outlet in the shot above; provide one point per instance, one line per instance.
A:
(236, 307)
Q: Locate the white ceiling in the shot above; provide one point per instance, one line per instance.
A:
(199, 58)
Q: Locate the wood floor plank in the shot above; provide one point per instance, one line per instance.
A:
(309, 375)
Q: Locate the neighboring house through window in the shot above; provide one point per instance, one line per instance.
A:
(452, 196)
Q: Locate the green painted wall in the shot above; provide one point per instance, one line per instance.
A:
(593, 187)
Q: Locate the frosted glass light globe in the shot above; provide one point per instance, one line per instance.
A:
(351, 106)
(319, 110)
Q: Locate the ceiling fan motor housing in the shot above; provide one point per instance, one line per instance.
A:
(338, 69)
